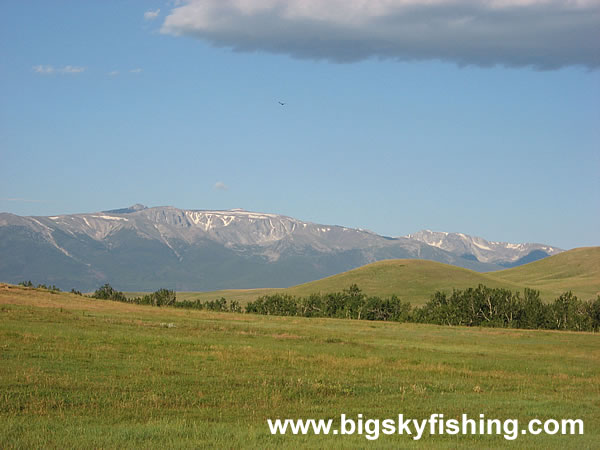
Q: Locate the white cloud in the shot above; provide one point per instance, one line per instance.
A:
(219, 185)
(45, 70)
(540, 33)
(72, 69)
(115, 73)
(48, 70)
(151, 15)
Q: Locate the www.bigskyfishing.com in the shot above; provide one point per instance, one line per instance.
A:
(436, 424)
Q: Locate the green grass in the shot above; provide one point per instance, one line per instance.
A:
(416, 280)
(577, 270)
(411, 280)
(83, 373)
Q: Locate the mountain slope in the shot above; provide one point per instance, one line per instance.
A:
(140, 248)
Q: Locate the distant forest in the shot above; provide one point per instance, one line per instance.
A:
(474, 307)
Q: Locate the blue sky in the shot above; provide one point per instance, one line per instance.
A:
(102, 108)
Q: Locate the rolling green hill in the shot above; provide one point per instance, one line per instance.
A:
(414, 280)
(577, 270)
(410, 279)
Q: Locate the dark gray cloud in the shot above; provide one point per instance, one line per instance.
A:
(545, 34)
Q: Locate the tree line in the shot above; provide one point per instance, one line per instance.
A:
(480, 306)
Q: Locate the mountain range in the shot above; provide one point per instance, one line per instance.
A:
(139, 248)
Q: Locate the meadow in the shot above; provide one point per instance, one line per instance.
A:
(78, 372)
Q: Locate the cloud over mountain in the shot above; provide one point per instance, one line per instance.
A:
(545, 34)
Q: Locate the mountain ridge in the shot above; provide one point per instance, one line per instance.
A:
(503, 253)
(143, 248)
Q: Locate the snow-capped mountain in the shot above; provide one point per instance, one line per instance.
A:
(139, 248)
(502, 253)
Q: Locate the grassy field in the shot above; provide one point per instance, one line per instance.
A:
(77, 372)
(416, 280)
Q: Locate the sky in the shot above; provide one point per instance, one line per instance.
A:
(472, 116)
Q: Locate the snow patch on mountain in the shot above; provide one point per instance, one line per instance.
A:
(111, 218)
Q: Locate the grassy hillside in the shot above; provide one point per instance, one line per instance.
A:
(415, 280)
(81, 373)
(577, 270)
(410, 279)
